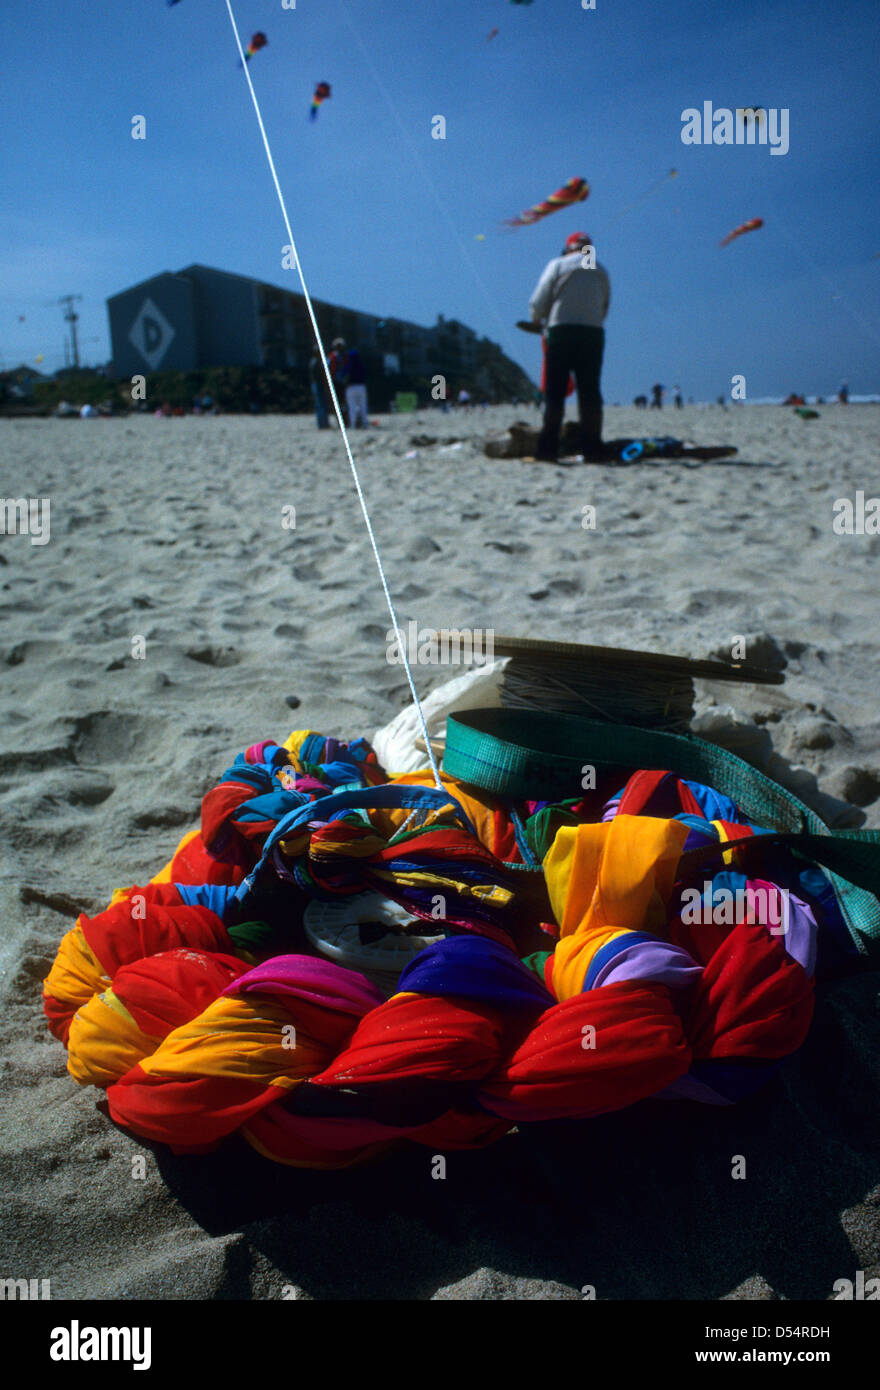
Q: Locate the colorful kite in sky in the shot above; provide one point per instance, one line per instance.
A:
(751, 226)
(492, 33)
(322, 92)
(574, 191)
(257, 42)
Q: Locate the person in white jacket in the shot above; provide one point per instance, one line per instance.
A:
(570, 303)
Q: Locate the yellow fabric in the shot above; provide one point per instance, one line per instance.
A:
(240, 1038)
(604, 880)
(729, 855)
(294, 743)
(481, 812)
(76, 972)
(105, 1042)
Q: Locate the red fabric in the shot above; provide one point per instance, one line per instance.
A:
(165, 991)
(753, 1000)
(307, 1142)
(700, 939)
(193, 864)
(59, 1016)
(640, 1048)
(459, 1129)
(667, 791)
(238, 842)
(193, 1114)
(420, 1037)
(504, 844)
(117, 937)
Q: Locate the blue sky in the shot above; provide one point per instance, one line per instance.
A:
(386, 218)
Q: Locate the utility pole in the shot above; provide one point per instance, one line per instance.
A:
(71, 317)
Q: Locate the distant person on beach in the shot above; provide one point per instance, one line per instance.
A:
(351, 374)
(334, 362)
(843, 394)
(319, 391)
(464, 398)
(678, 398)
(657, 397)
(571, 301)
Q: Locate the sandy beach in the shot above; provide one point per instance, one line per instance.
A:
(173, 531)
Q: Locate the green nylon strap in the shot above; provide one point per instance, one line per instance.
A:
(532, 754)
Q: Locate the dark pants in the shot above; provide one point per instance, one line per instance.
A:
(573, 348)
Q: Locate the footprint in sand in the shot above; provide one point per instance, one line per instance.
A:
(214, 656)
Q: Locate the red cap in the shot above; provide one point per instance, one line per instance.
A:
(578, 239)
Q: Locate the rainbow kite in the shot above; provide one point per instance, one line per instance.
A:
(322, 93)
(574, 191)
(257, 42)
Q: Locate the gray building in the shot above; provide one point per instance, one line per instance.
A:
(200, 317)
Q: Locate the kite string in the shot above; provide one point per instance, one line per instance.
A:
(417, 160)
(332, 389)
(812, 263)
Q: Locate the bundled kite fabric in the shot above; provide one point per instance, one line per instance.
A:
(751, 226)
(633, 941)
(574, 191)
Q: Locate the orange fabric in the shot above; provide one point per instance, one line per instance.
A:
(606, 878)
(75, 976)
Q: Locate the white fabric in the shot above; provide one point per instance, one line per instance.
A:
(395, 742)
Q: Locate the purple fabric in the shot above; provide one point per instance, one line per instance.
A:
(800, 938)
(470, 967)
(656, 961)
(318, 981)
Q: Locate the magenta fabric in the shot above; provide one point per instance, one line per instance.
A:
(800, 940)
(318, 981)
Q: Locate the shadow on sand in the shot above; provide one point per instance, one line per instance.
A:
(640, 1204)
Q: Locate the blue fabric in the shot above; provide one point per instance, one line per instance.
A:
(214, 896)
(252, 774)
(475, 968)
(333, 807)
(714, 805)
(272, 806)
